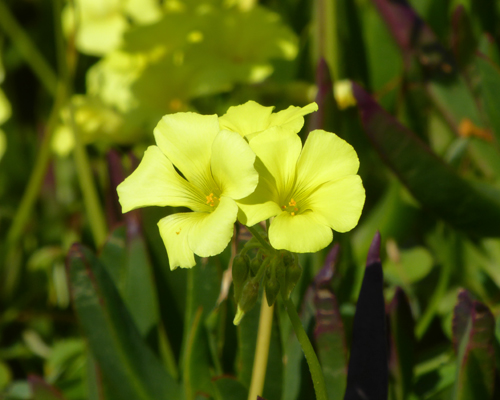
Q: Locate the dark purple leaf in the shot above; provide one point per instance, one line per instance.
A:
(367, 376)
(414, 36)
(327, 115)
(463, 43)
(42, 390)
(473, 340)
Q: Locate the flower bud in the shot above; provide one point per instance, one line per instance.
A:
(255, 265)
(240, 274)
(249, 295)
(272, 287)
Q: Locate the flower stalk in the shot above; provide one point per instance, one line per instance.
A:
(261, 350)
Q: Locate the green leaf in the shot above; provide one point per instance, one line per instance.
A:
(42, 390)
(329, 330)
(202, 292)
(230, 389)
(473, 336)
(125, 258)
(430, 181)
(411, 266)
(490, 91)
(127, 364)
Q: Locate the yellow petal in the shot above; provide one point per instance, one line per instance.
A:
(302, 233)
(279, 154)
(251, 119)
(263, 202)
(292, 118)
(232, 165)
(156, 183)
(174, 231)
(214, 230)
(246, 118)
(339, 202)
(186, 139)
(325, 157)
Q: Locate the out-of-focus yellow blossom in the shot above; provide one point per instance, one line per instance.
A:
(3, 143)
(308, 191)
(5, 113)
(198, 49)
(342, 90)
(100, 24)
(217, 168)
(95, 123)
(5, 108)
(251, 119)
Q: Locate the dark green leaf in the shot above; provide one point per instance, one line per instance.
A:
(490, 90)
(329, 330)
(127, 262)
(230, 389)
(430, 181)
(127, 364)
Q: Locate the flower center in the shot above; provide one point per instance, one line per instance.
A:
(212, 200)
(291, 207)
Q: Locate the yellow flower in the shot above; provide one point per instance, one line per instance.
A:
(217, 168)
(251, 119)
(342, 91)
(309, 191)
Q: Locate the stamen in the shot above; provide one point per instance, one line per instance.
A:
(211, 199)
(292, 213)
(292, 203)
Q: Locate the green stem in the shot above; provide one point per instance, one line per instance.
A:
(326, 43)
(27, 49)
(255, 233)
(438, 294)
(91, 200)
(307, 348)
(38, 173)
(261, 350)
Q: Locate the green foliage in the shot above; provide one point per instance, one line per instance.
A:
(117, 323)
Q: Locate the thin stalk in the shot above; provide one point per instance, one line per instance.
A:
(307, 348)
(261, 350)
(91, 200)
(27, 49)
(39, 170)
(255, 233)
(430, 312)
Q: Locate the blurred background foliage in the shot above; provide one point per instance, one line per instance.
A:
(82, 85)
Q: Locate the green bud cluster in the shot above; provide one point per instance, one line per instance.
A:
(278, 272)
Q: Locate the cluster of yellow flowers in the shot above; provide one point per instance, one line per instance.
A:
(248, 165)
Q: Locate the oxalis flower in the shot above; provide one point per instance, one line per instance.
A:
(308, 191)
(217, 168)
(251, 119)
